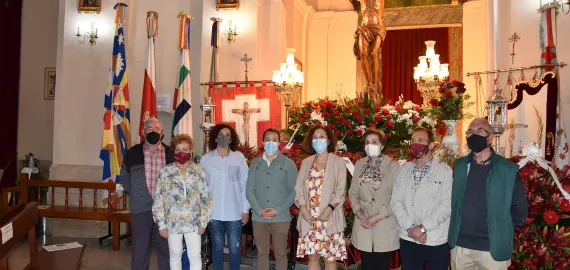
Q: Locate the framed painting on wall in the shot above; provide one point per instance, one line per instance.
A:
(89, 6)
(49, 83)
(227, 4)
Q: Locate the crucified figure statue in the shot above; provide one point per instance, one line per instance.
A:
(369, 37)
(246, 112)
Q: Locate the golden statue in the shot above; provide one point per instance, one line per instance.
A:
(369, 37)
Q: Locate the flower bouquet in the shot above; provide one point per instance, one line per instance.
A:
(451, 102)
(544, 241)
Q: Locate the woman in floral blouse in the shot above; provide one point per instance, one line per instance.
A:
(182, 204)
(375, 231)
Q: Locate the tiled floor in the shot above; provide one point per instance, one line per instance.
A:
(95, 256)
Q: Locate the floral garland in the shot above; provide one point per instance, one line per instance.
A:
(544, 241)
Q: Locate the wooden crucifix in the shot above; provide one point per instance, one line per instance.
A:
(246, 112)
(246, 60)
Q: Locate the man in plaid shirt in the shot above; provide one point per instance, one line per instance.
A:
(421, 202)
(139, 174)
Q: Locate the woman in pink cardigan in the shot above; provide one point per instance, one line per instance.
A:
(320, 194)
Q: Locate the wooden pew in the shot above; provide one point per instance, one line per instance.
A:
(79, 212)
(23, 219)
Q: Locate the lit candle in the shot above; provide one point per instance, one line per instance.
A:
(235, 29)
(96, 29)
(78, 30)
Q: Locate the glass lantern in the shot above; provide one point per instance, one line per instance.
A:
(497, 112)
(208, 120)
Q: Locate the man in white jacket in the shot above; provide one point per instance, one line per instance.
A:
(421, 202)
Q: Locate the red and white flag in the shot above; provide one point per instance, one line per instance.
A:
(148, 106)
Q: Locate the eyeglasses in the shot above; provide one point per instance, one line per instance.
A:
(479, 131)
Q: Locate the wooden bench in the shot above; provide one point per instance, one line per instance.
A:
(80, 212)
(22, 219)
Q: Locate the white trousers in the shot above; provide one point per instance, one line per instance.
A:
(193, 248)
(468, 259)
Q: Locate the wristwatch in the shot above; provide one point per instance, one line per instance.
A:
(423, 229)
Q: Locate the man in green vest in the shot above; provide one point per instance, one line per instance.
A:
(488, 200)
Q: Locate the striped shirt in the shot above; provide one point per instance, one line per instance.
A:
(153, 162)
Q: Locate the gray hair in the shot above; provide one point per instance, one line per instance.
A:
(484, 122)
(151, 120)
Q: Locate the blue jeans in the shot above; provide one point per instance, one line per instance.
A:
(218, 230)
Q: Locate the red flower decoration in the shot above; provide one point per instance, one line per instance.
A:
(372, 125)
(377, 118)
(389, 125)
(367, 110)
(337, 133)
(388, 135)
(359, 132)
(347, 122)
(350, 132)
(325, 115)
(448, 94)
(528, 263)
(417, 108)
(377, 109)
(565, 205)
(433, 102)
(385, 112)
(360, 104)
(331, 126)
(336, 113)
(360, 118)
(306, 115)
(416, 119)
(440, 103)
(355, 112)
(346, 109)
(550, 217)
(398, 108)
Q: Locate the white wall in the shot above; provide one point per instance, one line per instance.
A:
(83, 69)
(330, 55)
(38, 51)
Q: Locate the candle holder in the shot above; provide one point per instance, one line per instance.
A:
(91, 36)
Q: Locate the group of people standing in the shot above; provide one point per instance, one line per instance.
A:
(424, 208)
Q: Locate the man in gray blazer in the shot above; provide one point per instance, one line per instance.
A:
(421, 202)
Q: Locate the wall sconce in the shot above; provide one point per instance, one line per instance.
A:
(231, 33)
(91, 36)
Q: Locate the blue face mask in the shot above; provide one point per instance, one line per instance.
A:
(270, 148)
(320, 145)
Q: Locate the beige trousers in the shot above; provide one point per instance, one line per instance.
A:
(468, 259)
(277, 232)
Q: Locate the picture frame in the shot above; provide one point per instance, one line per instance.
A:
(49, 83)
(89, 6)
(227, 4)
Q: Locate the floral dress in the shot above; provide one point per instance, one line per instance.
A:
(316, 241)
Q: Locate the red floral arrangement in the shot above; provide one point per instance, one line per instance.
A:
(544, 241)
(349, 118)
(450, 102)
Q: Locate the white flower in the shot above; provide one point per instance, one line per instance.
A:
(361, 127)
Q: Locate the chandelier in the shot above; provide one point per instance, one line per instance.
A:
(429, 73)
(288, 82)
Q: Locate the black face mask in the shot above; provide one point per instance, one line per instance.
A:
(152, 137)
(477, 143)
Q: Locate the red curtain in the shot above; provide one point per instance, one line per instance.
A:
(10, 31)
(400, 53)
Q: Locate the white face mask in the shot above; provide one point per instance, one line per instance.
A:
(373, 150)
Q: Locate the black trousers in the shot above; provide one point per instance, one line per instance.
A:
(414, 256)
(142, 230)
(375, 260)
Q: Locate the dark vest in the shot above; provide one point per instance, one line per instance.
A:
(499, 187)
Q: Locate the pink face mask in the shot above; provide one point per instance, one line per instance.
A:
(182, 157)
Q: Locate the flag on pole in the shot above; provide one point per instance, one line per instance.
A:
(216, 43)
(548, 39)
(116, 133)
(182, 120)
(148, 106)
